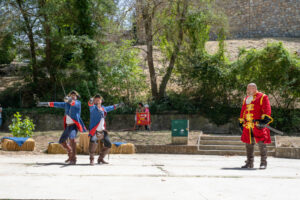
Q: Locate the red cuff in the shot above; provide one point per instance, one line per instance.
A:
(72, 103)
(51, 104)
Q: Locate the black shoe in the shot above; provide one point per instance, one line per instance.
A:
(248, 165)
(263, 166)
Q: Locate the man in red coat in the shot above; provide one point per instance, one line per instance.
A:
(255, 115)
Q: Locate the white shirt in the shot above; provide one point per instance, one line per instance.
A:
(69, 120)
(101, 125)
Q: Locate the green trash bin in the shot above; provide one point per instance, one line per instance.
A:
(180, 131)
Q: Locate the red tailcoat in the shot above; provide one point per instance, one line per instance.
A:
(256, 110)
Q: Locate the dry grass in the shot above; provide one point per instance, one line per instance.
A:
(128, 148)
(56, 148)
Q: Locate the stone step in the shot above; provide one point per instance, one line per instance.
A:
(228, 137)
(230, 147)
(225, 142)
(230, 152)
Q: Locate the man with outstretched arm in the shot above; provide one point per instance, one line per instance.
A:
(72, 123)
(98, 127)
(255, 116)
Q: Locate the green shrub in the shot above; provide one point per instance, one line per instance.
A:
(7, 49)
(21, 128)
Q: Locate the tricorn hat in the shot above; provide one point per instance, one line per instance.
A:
(98, 96)
(74, 92)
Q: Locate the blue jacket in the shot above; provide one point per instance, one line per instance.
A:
(97, 114)
(72, 109)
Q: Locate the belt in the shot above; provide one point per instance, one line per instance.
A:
(101, 132)
(70, 124)
(254, 120)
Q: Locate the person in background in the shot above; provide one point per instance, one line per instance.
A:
(140, 109)
(147, 108)
(147, 127)
(0, 115)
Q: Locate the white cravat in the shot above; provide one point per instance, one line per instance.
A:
(249, 100)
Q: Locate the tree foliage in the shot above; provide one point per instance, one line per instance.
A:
(87, 45)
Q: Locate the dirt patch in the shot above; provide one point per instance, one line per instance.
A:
(10, 81)
(232, 46)
(286, 141)
(42, 139)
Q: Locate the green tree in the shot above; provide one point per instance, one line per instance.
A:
(169, 24)
(121, 76)
(7, 49)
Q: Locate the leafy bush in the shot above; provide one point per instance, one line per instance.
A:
(7, 49)
(275, 71)
(21, 128)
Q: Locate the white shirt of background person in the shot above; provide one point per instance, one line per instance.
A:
(101, 125)
(69, 120)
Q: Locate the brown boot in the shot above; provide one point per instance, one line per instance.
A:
(103, 153)
(73, 157)
(250, 156)
(92, 150)
(68, 148)
(263, 153)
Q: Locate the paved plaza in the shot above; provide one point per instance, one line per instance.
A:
(148, 176)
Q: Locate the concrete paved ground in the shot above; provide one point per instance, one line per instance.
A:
(147, 176)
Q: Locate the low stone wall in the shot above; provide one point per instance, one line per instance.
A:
(43, 122)
(163, 122)
(46, 122)
(287, 152)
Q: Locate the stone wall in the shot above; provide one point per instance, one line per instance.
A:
(253, 19)
(121, 122)
(287, 152)
(262, 18)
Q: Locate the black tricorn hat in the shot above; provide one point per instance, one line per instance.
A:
(98, 96)
(74, 92)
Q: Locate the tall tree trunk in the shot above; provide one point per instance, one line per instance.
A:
(29, 34)
(147, 18)
(47, 32)
(167, 76)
